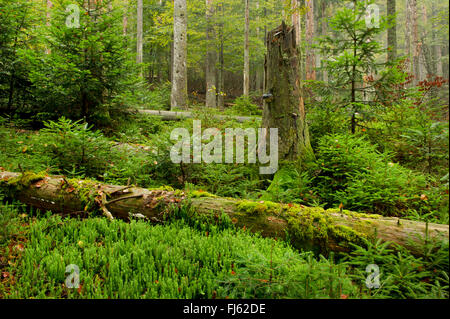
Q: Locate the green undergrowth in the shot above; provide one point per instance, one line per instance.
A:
(189, 259)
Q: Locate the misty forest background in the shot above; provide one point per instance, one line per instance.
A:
(78, 99)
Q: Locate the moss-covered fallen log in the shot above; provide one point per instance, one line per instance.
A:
(305, 227)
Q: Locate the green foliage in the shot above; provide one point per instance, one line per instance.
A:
(84, 68)
(243, 106)
(351, 171)
(138, 260)
(143, 96)
(16, 19)
(401, 274)
(351, 52)
(75, 149)
(325, 118)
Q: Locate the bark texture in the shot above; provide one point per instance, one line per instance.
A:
(179, 74)
(285, 110)
(326, 230)
(211, 56)
(310, 30)
(139, 36)
(392, 31)
(247, 50)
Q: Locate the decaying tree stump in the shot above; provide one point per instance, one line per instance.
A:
(283, 101)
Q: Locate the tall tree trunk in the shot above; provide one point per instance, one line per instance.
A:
(310, 56)
(416, 42)
(285, 110)
(429, 65)
(408, 35)
(220, 75)
(179, 84)
(125, 18)
(48, 18)
(211, 56)
(139, 35)
(297, 25)
(437, 52)
(247, 49)
(259, 69)
(392, 31)
(323, 32)
(305, 227)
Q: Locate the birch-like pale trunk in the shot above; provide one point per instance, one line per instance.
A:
(392, 31)
(416, 42)
(179, 75)
(247, 50)
(310, 26)
(125, 18)
(211, 56)
(221, 70)
(139, 31)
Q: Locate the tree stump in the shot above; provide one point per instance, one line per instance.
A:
(284, 107)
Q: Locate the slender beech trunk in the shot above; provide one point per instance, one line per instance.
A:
(221, 70)
(247, 49)
(323, 32)
(259, 70)
(125, 18)
(416, 42)
(139, 31)
(310, 27)
(211, 56)
(48, 18)
(408, 33)
(437, 52)
(179, 98)
(392, 31)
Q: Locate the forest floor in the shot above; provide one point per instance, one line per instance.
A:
(180, 259)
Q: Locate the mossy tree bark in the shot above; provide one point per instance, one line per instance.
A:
(285, 110)
(305, 227)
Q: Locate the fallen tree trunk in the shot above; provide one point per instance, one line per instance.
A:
(176, 116)
(305, 227)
